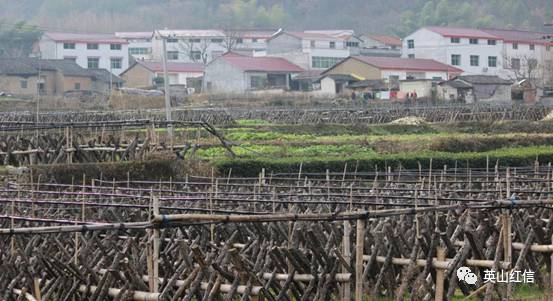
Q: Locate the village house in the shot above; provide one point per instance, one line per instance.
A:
(509, 54)
(314, 50)
(189, 46)
(475, 89)
(390, 69)
(139, 44)
(90, 51)
(237, 74)
(147, 74)
(28, 77)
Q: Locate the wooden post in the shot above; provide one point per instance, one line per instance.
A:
(440, 275)
(359, 249)
(507, 248)
(346, 251)
(154, 272)
(36, 289)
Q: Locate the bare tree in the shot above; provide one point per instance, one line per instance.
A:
(524, 67)
(232, 38)
(194, 50)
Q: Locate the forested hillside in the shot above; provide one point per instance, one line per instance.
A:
(383, 16)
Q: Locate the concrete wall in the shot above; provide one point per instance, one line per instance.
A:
(55, 50)
(284, 43)
(502, 93)
(69, 83)
(138, 77)
(353, 66)
(421, 87)
(224, 78)
(12, 85)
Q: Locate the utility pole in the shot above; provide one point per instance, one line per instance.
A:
(166, 85)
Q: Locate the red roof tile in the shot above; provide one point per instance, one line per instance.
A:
(271, 64)
(459, 32)
(172, 66)
(85, 38)
(384, 39)
(520, 36)
(394, 63)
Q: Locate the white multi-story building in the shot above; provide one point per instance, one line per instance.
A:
(314, 50)
(140, 44)
(91, 51)
(510, 54)
(203, 46)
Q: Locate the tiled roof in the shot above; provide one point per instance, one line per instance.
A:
(84, 38)
(157, 66)
(484, 79)
(191, 33)
(393, 63)
(31, 66)
(507, 35)
(104, 75)
(270, 64)
(520, 36)
(384, 39)
(134, 35)
(460, 32)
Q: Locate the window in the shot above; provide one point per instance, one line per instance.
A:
(474, 60)
(139, 51)
(93, 63)
(473, 41)
(217, 40)
(324, 62)
(492, 61)
(194, 40)
(411, 56)
(172, 40)
(352, 44)
(239, 41)
(172, 55)
(258, 81)
(456, 59)
(410, 44)
(196, 55)
(77, 86)
(254, 40)
(437, 79)
(515, 45)
(116, 63)
(115, 46)
(455, 40)
(492, 42)
(70, 58)
(24, 84)
(92, 46)
(332, 45)
(532, 47)
(312, 43)
(515, 64)
(68, 45)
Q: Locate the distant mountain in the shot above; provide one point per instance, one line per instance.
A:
(380, 16)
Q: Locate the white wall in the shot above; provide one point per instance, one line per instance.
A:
(403, 74)
(431, 45)
(328, 86)
(183, 47)
(55, 50)
(224, 78)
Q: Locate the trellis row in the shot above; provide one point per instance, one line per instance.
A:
(412, 249)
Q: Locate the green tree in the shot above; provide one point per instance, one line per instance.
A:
(17, 40)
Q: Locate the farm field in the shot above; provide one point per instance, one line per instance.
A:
(101, 208)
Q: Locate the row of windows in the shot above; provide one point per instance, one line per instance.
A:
(324, 62)
(140, 51)
(94, 62)
(472, 41)
(194, 55)
(92, 46)
(474, 60)
(411, 43)
(196, 40)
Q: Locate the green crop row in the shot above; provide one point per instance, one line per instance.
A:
(523, 156)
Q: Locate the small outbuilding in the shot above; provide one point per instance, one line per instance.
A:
(476, 88)
(235, 73)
